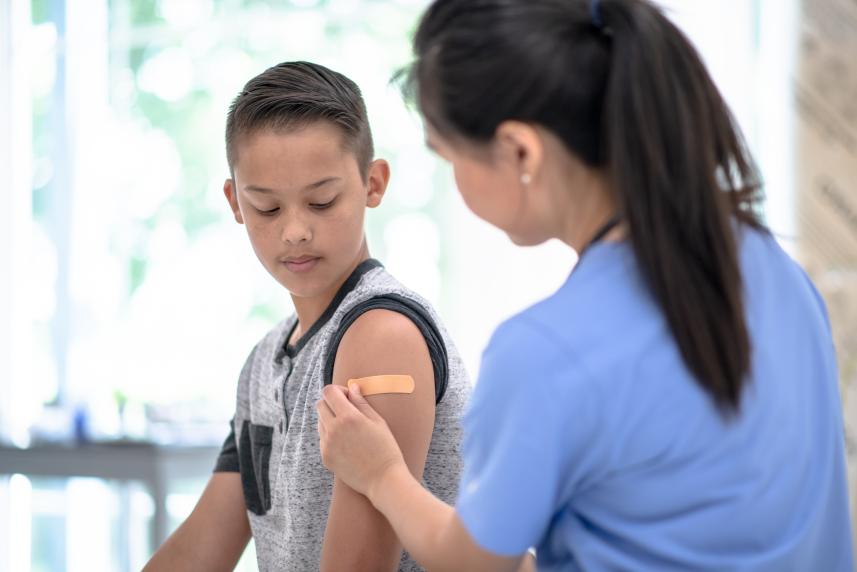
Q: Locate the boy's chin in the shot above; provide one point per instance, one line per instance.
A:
(305, 286)
(298, 288)
(519, 240)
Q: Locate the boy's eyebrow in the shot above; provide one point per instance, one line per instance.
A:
(320, 183)
(309, 187)
(256, 189)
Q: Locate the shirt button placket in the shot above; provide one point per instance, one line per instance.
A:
(285, 420)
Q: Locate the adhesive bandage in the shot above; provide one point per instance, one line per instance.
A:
(384, 384)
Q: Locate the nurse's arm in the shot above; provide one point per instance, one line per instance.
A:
(431, 530)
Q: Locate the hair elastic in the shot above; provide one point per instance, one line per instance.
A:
(595, 13)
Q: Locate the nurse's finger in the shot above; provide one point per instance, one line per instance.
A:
(335, 398)
(355, 396)
(325, 414)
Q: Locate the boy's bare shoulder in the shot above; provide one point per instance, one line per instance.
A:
(382, 342)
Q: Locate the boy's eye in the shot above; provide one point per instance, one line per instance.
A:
(269, 212)
(322, 206)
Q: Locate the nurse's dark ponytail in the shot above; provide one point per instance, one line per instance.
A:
(627, 93)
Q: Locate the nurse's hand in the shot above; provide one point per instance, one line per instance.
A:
(356, 443)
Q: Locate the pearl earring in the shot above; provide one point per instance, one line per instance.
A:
(526, 178)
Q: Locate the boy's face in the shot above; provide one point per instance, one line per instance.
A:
(300, 195)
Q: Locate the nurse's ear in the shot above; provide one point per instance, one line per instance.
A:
(521, 146)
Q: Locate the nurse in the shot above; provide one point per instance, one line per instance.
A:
(674, 406)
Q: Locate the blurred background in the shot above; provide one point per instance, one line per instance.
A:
(129, 298)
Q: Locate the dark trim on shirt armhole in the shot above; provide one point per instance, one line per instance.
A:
(414, 312)
(227, 459)
(346, 288)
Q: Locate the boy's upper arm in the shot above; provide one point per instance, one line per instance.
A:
(380, 342)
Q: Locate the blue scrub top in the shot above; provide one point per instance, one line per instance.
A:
(588, 438)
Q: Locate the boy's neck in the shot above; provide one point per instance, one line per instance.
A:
(309, 310)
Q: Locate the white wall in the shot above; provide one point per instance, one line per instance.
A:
(15, 152)
(15, 217)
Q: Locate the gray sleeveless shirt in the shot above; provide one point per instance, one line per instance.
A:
(274, 438)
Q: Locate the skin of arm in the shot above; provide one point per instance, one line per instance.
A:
(528, 563)
(358, 537)
(215, 534)
(430, 529)
(358, 446)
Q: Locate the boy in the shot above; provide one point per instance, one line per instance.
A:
(301, 158)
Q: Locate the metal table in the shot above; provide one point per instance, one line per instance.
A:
(153, 465)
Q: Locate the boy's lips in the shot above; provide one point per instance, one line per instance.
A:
(298, 264)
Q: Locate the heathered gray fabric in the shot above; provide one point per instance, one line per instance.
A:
(289, 536)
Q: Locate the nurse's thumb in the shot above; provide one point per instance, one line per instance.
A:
(356, 398)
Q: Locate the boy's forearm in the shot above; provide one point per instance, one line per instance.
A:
(189, 552)
(174, 554)
(214, 535)
(183, 551)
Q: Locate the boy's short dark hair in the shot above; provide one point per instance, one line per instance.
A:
(295, 94)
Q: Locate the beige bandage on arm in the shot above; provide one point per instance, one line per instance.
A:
(384, 384)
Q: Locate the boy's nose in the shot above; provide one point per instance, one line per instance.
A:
(295, 232)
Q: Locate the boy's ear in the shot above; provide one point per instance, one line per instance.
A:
(376, 182)
(229, 191)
